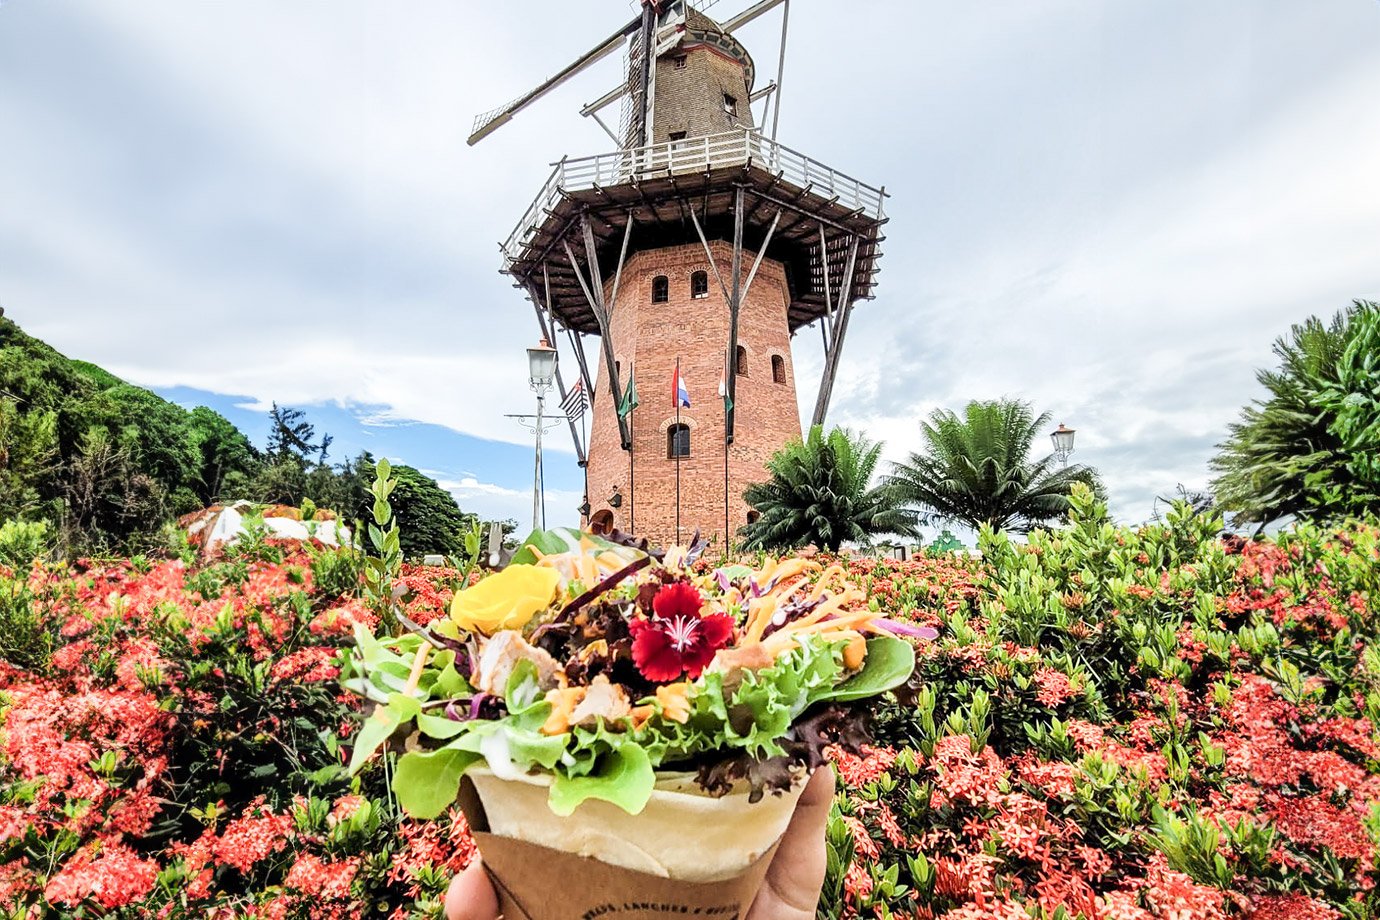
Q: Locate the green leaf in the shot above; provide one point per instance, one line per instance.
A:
(404, 708)
(440, 727)
(888, 664)
(449, 683)
(625, 778)
(371, 737)
(427, 784)
(564, 540)
(547, 541)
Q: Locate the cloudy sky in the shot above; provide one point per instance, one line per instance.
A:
(1107, 208)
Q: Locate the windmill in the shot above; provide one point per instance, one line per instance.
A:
(700, 246)
(659, 28)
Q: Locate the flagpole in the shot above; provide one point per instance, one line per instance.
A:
(675, 394)
(728, 539)
(632, 467)
(584, 436)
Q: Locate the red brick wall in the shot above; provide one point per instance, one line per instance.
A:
(649, 337)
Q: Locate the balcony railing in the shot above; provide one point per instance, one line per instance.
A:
(734, 148)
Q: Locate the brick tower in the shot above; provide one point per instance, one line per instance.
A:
(703, 244)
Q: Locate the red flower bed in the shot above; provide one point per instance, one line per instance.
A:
(1131, 725)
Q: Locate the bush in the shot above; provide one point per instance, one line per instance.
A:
(22, 543)
(1115, 723)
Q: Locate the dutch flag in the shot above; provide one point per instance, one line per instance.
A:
(680, 396)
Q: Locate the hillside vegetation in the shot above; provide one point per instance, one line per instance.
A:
(105, 465)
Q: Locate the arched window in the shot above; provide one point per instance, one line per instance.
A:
(677, 442)
(661, 289)
(742, 361)
(778, 369)
(699, 285)
(602, 521)
(753, 515)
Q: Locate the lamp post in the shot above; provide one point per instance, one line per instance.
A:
(541, 365)
(1063, 442)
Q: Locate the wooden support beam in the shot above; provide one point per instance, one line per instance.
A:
(762, 251)
(734, 304)
(597, 281)
(824, 270)
(577, 345)
(708, 254)
(622, 257)
(548, 336)
(835, 350)
(606, 337)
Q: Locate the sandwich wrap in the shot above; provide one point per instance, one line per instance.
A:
(637, 722)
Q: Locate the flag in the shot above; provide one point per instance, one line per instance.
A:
(680, 396)
(723, 388)
(574, 403)
(629, 402)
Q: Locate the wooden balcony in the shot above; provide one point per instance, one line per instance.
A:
(656, 188)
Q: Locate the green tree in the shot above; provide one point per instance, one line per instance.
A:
(28, 459)
(976, 469)
(1309, 448)
(223, 452)
(820, 492)
(291, 433)
(429, 517)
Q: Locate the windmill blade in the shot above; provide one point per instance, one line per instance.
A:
(487, 123)
(751, 13)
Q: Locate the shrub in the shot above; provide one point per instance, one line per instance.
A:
(1115, 723)
(22, 543)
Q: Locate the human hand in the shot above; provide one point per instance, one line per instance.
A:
(790, 890)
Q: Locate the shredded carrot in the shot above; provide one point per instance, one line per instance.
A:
(847, 620)
(832, 572)
(417, 664)
(759, 617)
(854, 653)
(784, 591)
(790, 568)
(830, 606)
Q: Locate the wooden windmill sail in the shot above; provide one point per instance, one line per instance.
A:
(700, 236)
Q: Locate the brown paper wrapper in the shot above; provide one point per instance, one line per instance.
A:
(538, 883)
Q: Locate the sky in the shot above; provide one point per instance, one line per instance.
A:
(1107, 209)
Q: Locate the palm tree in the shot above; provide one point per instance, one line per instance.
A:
(1308, 448)
(819, 493)
(976, 469)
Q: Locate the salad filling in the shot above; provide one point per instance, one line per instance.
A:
(601, 664)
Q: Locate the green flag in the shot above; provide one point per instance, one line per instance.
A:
(629, 402)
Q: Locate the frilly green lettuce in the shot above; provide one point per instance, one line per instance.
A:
(746, 712)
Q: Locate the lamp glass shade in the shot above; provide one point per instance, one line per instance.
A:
(1063, 439)
(541, 364)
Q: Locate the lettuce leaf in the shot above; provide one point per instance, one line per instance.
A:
(624, 776)
(887, 666)
(427, 784)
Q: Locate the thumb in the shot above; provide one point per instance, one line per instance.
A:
(471, 895)
(796, 876)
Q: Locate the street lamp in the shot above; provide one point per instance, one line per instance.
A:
(1063, 442)
(541, 365)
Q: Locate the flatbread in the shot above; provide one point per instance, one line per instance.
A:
(682, 834)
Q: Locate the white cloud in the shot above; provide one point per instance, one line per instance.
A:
(1109, 211)
(496, 502)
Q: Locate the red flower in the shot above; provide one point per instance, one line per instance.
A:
(677, 639)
